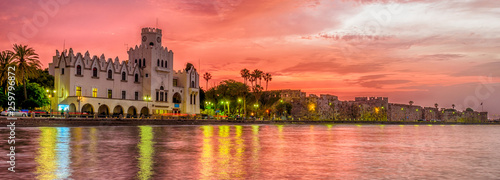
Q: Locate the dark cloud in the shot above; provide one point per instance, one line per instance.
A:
(332, 67)
(440, 57)
(486, 69)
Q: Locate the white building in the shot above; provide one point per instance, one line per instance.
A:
(144, 84)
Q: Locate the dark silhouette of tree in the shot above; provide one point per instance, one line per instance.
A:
(27, 62)
(207, 76)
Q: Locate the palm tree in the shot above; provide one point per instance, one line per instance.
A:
(207, 76)
(267, 77)
(245, 74)
(453, 106)
(5, 63)
(411, 103)
(258, 75)
(252, 78)
(27, 62)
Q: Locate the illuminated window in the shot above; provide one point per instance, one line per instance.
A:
(417, 109)
(110, 93)
(78, 91)
(402, 109)
(94, 92)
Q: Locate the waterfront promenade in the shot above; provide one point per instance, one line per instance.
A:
(75, 121)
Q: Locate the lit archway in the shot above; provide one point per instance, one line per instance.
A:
(87, 108)
(132, 111)
(177, 98)
(144, 111)
(72, 108)
(103, 110)
(118, 110)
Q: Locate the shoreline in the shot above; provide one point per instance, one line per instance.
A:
(75, 122)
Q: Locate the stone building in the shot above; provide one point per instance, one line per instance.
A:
(144, 84)
(329, 107)
(404, 112)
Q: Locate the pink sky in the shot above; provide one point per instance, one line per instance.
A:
(444, 52)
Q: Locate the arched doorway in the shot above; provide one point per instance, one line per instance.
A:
(144, 111)
(177, 98)
(132, 112)
(103, 110)
(72, 108)
(117, 110)
(87, 108)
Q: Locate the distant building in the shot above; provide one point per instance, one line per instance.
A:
(329, 107)
(145, 84)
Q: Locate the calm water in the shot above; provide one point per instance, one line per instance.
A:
(257, 152)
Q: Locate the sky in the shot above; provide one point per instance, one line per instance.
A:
(445, 52)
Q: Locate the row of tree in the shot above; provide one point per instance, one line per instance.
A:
(27, 68)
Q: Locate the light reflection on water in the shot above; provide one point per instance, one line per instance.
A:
(260, 152)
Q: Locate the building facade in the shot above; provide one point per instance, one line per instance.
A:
(143, 85)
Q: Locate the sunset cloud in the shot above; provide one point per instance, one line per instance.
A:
(404, 49)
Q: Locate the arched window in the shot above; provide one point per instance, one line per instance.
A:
(161, 63)
(136, 78)
(166, 63)
(140, 63)
(161, 88)
(158, 62)
(192, 84)
(124, 76)
(78, 70)
(110, 74)
(136, 61)
(94, 72)
(144, 62)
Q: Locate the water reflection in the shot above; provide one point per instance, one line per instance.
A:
(46, 154)
(206, 158)
(146, 152)
(63, 152)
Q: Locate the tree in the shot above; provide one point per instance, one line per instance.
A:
(227, 93)
(5, 62)
(207, 76)
(38, 96)
(189, 66)
(27, 62)
(258, 75)
(44, 79)
(436, 105)
(252, 78)
(453, 106)
(283, 107)
(267, 77)
(245, 74)
(411, 103)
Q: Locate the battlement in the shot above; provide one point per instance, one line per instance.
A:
(151, 30)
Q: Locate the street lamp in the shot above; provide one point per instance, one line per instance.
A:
(78, 99)
(147, 98)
